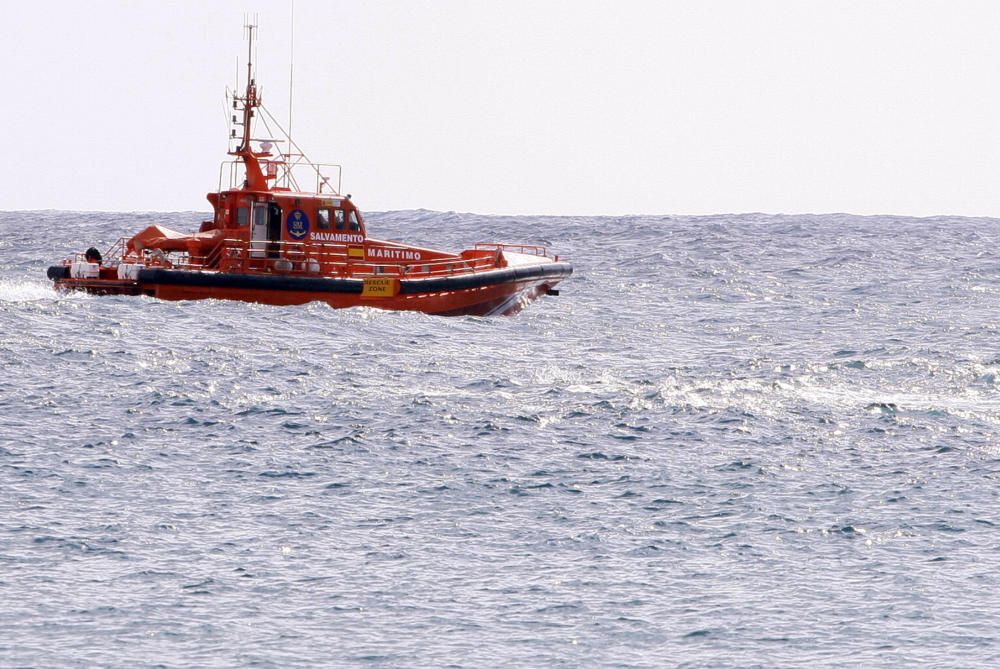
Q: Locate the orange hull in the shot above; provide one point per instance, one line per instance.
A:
(501, 292)
(495, 300)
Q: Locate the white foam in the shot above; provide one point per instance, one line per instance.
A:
(26, 291)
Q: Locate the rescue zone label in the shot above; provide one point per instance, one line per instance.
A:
(380, 288)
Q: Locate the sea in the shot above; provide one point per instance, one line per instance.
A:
(730, 441)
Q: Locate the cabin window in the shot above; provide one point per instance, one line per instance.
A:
(242, 216)
(353, 220)
(260, 215)
(323, 219)
(340, 218)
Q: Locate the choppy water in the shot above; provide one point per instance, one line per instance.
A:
(733, 441)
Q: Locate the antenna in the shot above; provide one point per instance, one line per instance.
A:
(291, 65)
(250, 52)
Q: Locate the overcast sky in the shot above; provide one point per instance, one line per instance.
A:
(518, 106)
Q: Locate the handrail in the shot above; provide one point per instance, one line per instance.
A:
(213, 256)
(114, 254)
(527, 249)
(323, 185)
(310, 259)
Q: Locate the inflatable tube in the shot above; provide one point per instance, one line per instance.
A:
(173, 277)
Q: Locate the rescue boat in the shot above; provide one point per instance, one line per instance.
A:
(273, 242)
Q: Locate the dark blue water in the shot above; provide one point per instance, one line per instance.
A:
(733, 441)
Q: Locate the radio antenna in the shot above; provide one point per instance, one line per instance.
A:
(291, 65)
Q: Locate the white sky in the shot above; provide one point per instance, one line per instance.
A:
(518, 106)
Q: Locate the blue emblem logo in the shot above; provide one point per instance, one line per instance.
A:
(297, 224)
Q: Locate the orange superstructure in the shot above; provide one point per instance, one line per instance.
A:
(272, 241)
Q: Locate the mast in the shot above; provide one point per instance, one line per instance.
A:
(255, 177)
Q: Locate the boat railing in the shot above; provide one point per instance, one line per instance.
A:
(109, 258)
(214, 256)
(527, 249)
(113, 255)
(305, 259)
(446, 266)
(314, 259)
(287, 174)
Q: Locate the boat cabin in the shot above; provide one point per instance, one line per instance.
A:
(282, 218)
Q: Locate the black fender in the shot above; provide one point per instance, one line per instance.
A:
(173, 277)
(57, 272)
